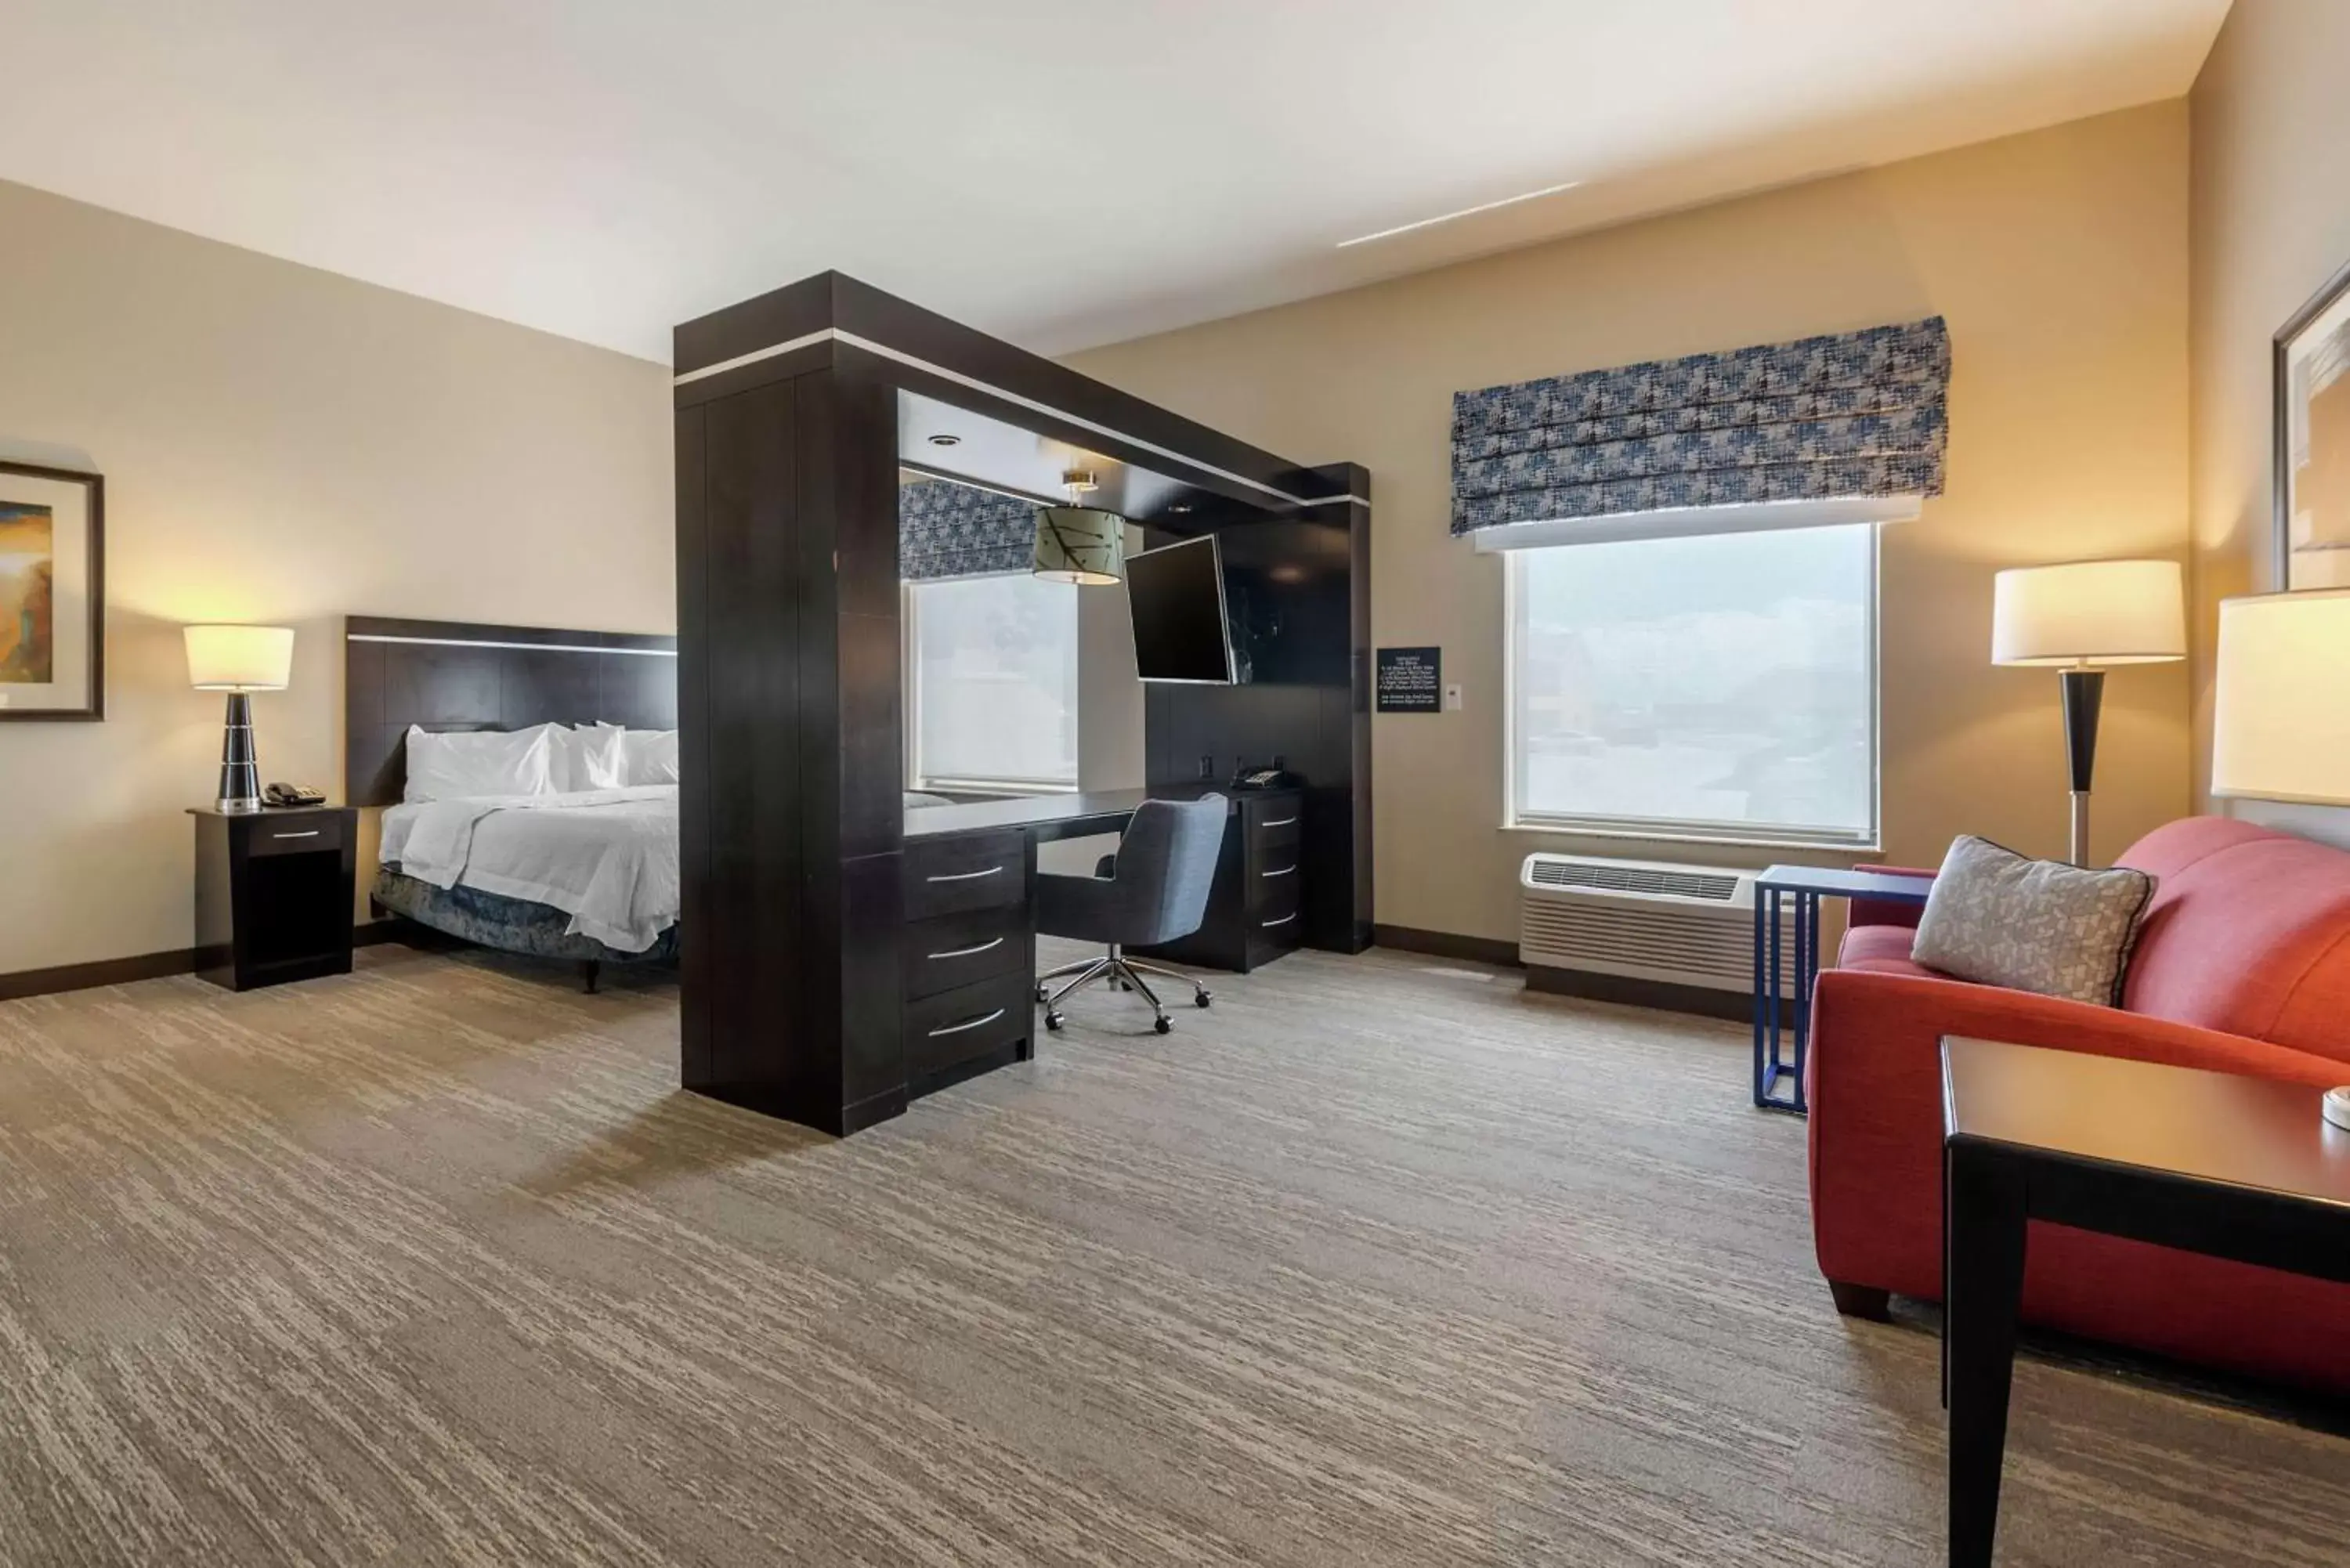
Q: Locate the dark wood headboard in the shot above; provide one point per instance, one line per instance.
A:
(455, 675)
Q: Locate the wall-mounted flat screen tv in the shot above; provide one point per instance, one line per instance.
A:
(1177, 593)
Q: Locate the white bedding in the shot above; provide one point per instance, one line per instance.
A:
(606, 858)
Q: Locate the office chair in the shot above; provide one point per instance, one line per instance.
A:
(1154, 890)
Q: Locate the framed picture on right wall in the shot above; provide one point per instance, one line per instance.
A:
(2313, 441)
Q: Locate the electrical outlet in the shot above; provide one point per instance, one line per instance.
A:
(1452, 698)
(1206, 764)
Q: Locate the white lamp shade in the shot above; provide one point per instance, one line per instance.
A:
(2280, 720)
(2089, 612)
(240, 658)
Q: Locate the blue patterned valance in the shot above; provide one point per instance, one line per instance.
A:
(948, 530)
(1851, 414)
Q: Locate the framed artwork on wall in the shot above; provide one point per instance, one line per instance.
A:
(2313, 441)
(52, 592)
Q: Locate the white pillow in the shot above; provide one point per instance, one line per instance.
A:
(585, 757)
(649, 756)
(458, 764)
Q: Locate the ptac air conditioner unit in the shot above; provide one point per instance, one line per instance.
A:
(1643, 920)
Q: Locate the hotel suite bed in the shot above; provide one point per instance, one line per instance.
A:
(590, 876)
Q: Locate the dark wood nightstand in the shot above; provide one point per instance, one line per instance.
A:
(274, 894)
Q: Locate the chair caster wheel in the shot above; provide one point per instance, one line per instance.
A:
(1053, 1022)
(1163, 1026)
(1043, 993)
(1126, 985)
(1204, 998)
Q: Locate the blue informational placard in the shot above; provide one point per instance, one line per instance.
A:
(1410, 680)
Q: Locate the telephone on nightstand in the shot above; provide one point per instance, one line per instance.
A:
(1263, 778)
(283, 794)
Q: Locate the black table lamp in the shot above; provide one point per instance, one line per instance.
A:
(2078, 618)
(239, 660)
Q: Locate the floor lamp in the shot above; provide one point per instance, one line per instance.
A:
(2279, 728)
(2079, 618)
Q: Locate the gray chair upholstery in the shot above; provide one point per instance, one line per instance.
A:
(1155, 890)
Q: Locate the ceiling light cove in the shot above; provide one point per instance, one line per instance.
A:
(1463, 213)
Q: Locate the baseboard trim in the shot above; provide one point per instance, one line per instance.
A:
(1447, 944)
(1662, 995)
(26, 982)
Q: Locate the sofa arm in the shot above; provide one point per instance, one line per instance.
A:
(1882, 911)
(1874, 1082)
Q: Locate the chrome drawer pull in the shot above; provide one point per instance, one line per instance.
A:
(966, 952)
(312, 834)
(959, 1028)
(1283, 921)
(1278, 822)
(1285, 871)
(965, 876)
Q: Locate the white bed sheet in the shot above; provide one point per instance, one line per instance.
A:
(608, 858)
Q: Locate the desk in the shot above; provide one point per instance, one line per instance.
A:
(1807, 885)
(2207, 1162)
(1043, 817)
(965, 922)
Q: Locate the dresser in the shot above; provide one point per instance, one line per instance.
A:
(1256, 909)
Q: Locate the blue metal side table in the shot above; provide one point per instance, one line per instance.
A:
(1806, 885)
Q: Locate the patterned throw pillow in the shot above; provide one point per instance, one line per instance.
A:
(1998, 918)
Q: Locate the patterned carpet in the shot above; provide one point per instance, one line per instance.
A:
(1380, 1262)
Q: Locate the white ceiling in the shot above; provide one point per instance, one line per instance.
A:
(1063, 172)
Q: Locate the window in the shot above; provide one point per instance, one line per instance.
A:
(1718, 686)
(992, 693)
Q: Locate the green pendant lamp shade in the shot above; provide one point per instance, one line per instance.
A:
(1078, 543)
(1081, 544)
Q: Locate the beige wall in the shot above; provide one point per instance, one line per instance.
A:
(2060, 260)
(287, 446)
(2270, 223)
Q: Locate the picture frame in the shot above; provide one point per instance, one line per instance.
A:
(2311, 391)
(52, 594)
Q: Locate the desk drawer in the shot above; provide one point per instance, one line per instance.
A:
(1273, 825)
(959, 949)
(1273, 911)
(1272, 879)
(969, 1021)
(969, 871)
(295, 835)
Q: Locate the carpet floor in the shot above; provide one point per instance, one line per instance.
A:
(1379, 1261)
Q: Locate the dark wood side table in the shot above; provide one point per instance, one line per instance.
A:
(2209, 1162)
(274, 894)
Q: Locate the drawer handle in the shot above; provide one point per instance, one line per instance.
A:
(1278, 821)
(966, 952)
(312, 834)
(959, 1028)
(966, 875)
(1283, 921)
(1289, 870)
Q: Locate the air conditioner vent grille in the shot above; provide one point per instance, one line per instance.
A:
(1718, 888)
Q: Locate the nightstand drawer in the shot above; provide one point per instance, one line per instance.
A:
(970, 871)
(959, 950)
(296, 833)
(969, 1020)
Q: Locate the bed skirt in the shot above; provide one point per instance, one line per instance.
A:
(510, 925)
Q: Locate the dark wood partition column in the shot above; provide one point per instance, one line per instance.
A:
(789, 805)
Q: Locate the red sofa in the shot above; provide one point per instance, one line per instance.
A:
(2243, 966)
